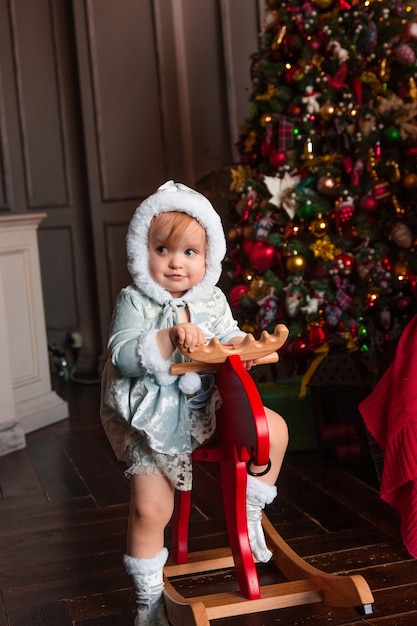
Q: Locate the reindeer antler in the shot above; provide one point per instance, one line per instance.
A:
(249, 350)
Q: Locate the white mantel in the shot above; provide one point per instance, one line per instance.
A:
(27, 400)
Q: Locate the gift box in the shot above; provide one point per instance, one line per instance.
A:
(283, 397)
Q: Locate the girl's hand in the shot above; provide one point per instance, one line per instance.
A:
(188, 335)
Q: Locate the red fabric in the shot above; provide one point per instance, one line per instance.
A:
(390, 414)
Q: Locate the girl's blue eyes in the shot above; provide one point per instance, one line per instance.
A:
(164, 250)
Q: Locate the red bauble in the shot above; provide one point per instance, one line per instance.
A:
(262, 256)
(277, 158)
(298, 346)
(247, 246)
(344, 263)
(237, 293)
(368, 204)
(316, 337)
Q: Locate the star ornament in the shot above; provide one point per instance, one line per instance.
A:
(281, 190)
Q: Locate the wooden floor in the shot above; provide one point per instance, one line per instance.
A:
(63, 508)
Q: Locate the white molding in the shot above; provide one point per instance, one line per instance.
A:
(24, 359)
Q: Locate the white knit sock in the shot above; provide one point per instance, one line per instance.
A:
(258, 494)
(147, 575)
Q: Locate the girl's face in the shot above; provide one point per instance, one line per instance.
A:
(176, 263)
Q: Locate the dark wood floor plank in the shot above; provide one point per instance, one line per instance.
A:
(331, 479)
(122, 601)
(58, 475)
(3, 618)
(15, 509)
(410, 619)
(54, 614)
(95, 463)
(18, 477)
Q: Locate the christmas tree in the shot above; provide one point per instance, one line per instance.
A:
(324, 226)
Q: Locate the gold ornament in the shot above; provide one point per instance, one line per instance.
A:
(269, 93)
(296, 264)
(410, 180)
(279, 38)
(324, 249)
(258, 288)
(323, 4)
(239, 176)
(250, 141)
(413, 88)
(318, 227)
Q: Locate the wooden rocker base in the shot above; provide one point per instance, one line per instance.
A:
(306, 585)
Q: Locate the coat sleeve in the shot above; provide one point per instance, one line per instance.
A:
(133, 344)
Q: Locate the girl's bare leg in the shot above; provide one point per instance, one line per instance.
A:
(278, 441)
(151, 508)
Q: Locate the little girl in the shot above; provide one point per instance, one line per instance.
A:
(154, 420)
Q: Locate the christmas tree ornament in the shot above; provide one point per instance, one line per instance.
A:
(381, 190)
(258, 287)
(401, 234)
(262, 227)
(325, 249)
(305, 210)
(298, 347)
(328, 185)
(368, 203)
(401, 268)
(344, 211)
(323, 4)
(277, 158)
(294, 297)
(344, 263)
(310, 99)
(316, 336)
(236, 294)
(319, 227)
(410, 180)
(262, 256)
(296, 264)
(268, 308)
(404, 54)
(411, 30)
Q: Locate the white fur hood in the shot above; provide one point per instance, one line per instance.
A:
(174, 197)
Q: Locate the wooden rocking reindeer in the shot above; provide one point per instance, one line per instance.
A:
(242, 436)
